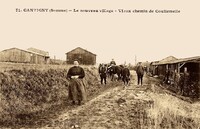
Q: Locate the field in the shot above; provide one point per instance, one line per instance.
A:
(35, 96)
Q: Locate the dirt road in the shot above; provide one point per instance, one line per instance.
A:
(136, 107)
(127, 108)
(116, 108)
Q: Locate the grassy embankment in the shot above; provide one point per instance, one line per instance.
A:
(29, 91)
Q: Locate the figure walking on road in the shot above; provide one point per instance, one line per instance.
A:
(103, 73)
(140, 72)
(76, 84)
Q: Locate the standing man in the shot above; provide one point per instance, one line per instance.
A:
(167, 74)
(184, 83)
(112, 62)
(140, 72)
(76, 84)
(103, 73)
(186, 77)
(176, 78)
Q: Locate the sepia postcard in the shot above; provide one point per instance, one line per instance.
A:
(106, 64)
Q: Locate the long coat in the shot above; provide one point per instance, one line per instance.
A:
(76, 85)
(140, 70)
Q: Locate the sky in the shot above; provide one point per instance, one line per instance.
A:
(122, 36)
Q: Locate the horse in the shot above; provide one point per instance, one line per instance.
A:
(115, 69)
(125, 75)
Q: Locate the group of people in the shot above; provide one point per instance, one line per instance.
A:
(125, 72)
(75, 75)
(77, 92)
(103, 70)
(180, 82)
(114, 72)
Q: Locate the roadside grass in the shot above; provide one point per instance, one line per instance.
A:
(28, 91)
(170, 112)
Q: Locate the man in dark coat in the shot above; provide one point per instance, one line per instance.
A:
(76, 84)
(167, 74)
(140, 72)
(103, 73)
(186, 77)
(176, 78)
(184, 83)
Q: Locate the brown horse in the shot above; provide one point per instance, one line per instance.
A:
(115, 69)
(125, 75)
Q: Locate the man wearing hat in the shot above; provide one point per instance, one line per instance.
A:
(140, 72)
(112, 62)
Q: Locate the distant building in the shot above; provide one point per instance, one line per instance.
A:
(57, 62)
(159, 67)
(192, 63)
(83, 56)
(38, 51)
(167, 59)
(193, 67)
(23, 56)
